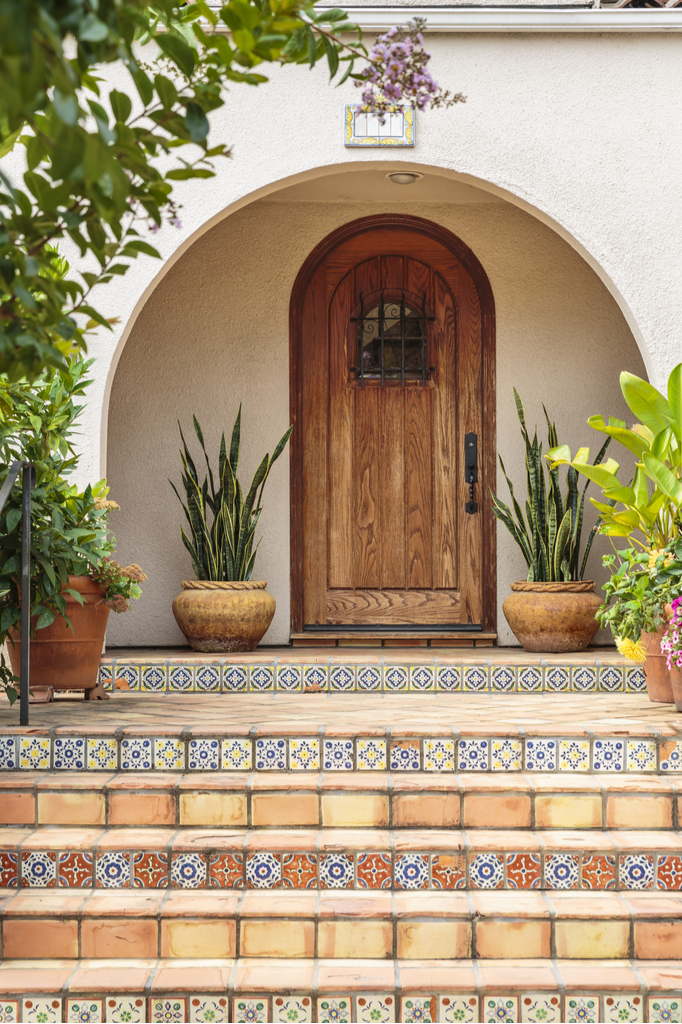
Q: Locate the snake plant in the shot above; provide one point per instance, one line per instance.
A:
(223, 549)
(550, 534)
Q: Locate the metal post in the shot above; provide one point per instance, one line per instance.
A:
(27, 486)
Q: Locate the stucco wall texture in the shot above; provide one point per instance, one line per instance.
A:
(215, 333)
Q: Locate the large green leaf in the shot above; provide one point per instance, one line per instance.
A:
(647, 404)
(666, 481)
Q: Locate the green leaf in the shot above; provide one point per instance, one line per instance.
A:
(66, 107)
(675, 402)
(121, 105)
(197, 122)
(666, 481)
(91, 29)
(178, 51)
(648, 404)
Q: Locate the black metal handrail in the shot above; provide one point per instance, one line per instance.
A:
(28, 483)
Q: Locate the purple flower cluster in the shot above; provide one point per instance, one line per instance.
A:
(396, 74)
(671, 643)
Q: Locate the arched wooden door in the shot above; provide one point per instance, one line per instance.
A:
(392, 375)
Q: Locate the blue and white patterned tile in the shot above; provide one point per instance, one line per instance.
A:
(641, 755)
(136, 754)
(529, 679)
(473, 755)
(439, 755)
(235, 678)
(368, 677)
(411, 871)
(38, 869)
(500, 1009)
(292, 1008)
(671, 756)
(334, 1009)
(47, 1010)
(181, 678)
(574, 755)
(304, 754)
(541, 755)
(169, 754)
(486, 871)
(371, 754)
(209, 1008)
(250, 1009)
(103, 754)
(263, 870)
(455, 1008)
(581, 1009)
(418, 1009)
(448, 679)
(611, 679)
(337, 755)
(68, 753)
(105, 677)
(128, 677)
(608, 755)
(315, 677)
(475, 679)
(204, 755)
(336, 871)
(635, 680)
(35, 752)
(583, 679)
(620, 1008)
(261, 678)
(169, 1010)
(422, 678)
(503, 679)
(557, 679)
(395, 678)
(636, 870)
(562, 870)
(342, 677)
(374, 1008)
(8, 753)
(84, 1011)
(130, 1009)
(154, 678)
(289, 678)
(207, 678)
(237, 754)
(271, 755)
(188, 871)
(666, 1010)
(541, 1007)
(506, 755)
(112, 870)
(404, 756)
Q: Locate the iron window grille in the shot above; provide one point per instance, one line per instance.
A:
(391, 342)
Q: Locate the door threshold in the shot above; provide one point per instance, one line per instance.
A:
(402, 639)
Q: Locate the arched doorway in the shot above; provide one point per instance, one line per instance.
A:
(393, 402)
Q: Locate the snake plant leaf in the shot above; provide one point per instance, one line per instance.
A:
(562, 535)
(647, 404)
(665, 480)
(235, 441)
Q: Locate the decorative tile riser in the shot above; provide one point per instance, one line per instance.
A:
(445, 751)
(221, 676)
(560, 869)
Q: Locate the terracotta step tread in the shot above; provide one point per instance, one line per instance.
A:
(274, 990)
(341, 858)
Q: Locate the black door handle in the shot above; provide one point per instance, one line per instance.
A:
(471, 470)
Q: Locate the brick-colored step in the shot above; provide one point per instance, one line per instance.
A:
(340, 858)
(379, 799)
(342, 990)
(370, 925)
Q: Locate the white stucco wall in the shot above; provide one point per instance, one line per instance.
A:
(215, 332)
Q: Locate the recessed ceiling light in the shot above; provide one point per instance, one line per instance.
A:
(404, 177)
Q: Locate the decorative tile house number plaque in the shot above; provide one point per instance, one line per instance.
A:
(363, 128)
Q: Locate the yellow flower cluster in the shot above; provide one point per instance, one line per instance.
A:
(631, 649)
(101, 503)
(655, 553)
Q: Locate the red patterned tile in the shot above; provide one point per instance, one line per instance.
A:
(669, 875)
(524, 870)
(75, 870)
(374, 870)
(150, 870)
(448, 872)
(226, 870)
(599, 872)
(299, 870)
(9, 870)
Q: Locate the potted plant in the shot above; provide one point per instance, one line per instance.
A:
(74, 581)
(646, 511)
(671, 647)
(223, 609)
(553, 609)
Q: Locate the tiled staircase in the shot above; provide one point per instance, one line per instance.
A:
(322, 873)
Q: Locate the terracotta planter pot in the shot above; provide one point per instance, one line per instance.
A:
(64, 659)
(658, 682)
(222, 616)
(552, 618)
(676, 683)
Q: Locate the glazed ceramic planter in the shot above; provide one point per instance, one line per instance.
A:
(67, 659)
(221, 617)
(552, 618)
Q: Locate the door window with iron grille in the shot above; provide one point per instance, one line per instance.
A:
(392, 341)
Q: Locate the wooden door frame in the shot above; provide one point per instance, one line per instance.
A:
(487, 444)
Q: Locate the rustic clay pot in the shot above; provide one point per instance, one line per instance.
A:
(658, 682)
(552, 618)
(222, 616)
(676, 682)
(63, 658)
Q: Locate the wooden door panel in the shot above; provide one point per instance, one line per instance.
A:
(392, 486)
(340, 501)
(419, 486)
(392, 607)
(367, 508)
